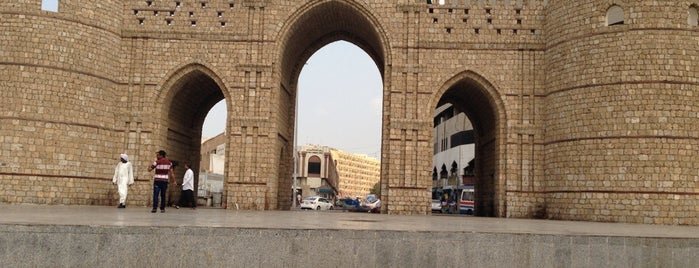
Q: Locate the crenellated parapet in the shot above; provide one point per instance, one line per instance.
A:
(179, 15)
(489, 3)
(505, 21)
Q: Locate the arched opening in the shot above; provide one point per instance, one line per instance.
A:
(339, 113)
(693, 16)
(191, 94)
(323, 24)
(465, 137)
(615, 15)
(454, 148)
(340, 100)
(314, 166)
(316, 25)
(212, 165)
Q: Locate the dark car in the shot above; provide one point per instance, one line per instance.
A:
(347, 203)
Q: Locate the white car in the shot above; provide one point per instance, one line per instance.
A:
(317, 203)
(436, 205)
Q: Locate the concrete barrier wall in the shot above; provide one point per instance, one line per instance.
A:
(93, 246)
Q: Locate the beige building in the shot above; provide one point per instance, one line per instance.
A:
(333, 173)
(581, 110)
(209, 182)
(357, 173)
(213, 154)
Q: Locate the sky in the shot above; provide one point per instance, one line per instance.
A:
(340, 100)
(50, 5)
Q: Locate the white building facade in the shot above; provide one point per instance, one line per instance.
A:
(454, 147)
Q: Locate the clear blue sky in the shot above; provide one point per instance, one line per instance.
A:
(340, 97)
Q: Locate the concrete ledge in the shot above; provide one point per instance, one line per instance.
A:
(186, 238)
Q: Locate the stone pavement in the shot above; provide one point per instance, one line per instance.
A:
(323, 220)
(98, 236)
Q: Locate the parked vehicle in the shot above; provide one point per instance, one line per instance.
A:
(452, 200)
(347, 203)
(467, 201)
(436, 196)
(317, 203)
(355, 205)
(436, 205)
(371, 203)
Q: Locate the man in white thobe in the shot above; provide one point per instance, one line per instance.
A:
(123, 177)
(187, 195)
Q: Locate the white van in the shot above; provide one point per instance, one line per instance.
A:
(467, 200)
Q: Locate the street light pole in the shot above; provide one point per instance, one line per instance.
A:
(296, 131)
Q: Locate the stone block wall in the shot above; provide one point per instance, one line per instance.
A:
(106, 246)
(621, 117)
(60, 78)
(406, 201)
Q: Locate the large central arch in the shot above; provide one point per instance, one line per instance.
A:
(319, 23)
(313, 26)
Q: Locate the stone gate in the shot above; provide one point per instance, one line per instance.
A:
(578, 115)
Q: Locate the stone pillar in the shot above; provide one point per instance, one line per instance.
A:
(407, 153)
(253, 158)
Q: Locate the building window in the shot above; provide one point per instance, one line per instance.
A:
(693, 18)
(443, 174)
(462, 138)
(615, 16)
(314, 166)
(49, 5)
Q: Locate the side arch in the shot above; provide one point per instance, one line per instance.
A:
(480, 100)
(182, 102)
(191, 73)
(165, 87)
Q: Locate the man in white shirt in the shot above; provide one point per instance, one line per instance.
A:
(187, 196)
(123, 177)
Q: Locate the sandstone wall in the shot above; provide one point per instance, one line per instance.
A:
(621, 117)
(61, 131)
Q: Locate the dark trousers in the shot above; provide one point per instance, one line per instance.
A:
(187, 199)
(159, 187)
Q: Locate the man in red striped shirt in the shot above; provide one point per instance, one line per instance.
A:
(163, 171)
